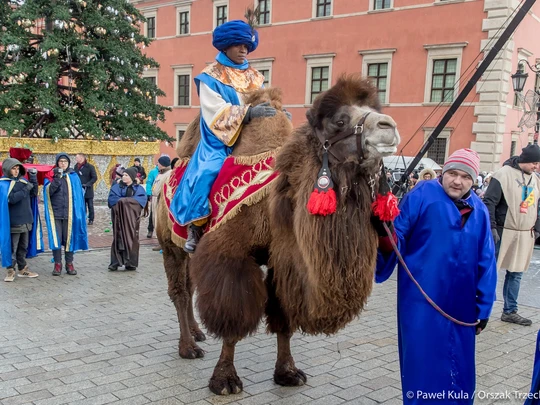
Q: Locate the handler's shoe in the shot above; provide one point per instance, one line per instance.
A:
(112, 267)
(57, 269)
(27, 273)
(131, 268)
(70, 269)
(194, 236)
(10, 275)
(514, 317)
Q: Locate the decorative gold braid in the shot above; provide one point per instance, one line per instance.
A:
(252, 160)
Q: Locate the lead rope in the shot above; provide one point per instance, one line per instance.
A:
(428, 299)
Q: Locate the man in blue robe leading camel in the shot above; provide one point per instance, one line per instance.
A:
(443, 234)
(221, 87)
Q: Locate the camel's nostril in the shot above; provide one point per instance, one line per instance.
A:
(385, 125)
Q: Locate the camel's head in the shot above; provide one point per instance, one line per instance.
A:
(347, 120)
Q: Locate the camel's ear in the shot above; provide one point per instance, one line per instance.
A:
(311, 116)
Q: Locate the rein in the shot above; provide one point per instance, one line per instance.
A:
(428, 299)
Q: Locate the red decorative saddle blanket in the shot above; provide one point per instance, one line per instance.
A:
(238, 184)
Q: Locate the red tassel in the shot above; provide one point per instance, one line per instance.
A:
(386, 207)
(322, 202)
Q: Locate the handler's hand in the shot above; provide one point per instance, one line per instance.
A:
(496, 237)
(481, 325)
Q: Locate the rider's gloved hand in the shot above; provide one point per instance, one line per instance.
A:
(259, 111)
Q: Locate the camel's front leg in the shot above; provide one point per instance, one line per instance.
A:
(225, 381)
(286, 372)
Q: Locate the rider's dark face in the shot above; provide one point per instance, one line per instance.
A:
(237, 53)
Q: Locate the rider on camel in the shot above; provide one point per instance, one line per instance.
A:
(221, 87)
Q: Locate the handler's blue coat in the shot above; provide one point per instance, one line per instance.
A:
(456, 267)
(78, 236)
(35, 243)
(190, 201)
(534, 395)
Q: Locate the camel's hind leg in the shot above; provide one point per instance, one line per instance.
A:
(180, 291)
(285, 372)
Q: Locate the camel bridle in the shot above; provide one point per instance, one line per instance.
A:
(328, 142)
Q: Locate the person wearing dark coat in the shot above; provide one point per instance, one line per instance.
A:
(141, 173)
(16, 194)
(87, 175)
(65, 214)
(126, 201)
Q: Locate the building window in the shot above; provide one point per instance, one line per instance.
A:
(437, 152)
(266, 74)
(381, 4)
(151, 27)
(513, 148)
(221, 15)
(378, 73)
(180, 134)
(319, 80)
(264, 9)
(537, 83)
(318, 75)
(377, 65)
(443, 80)
(152, 80)
(180, 131)
(183, 89)
(323, 8)
(183, 18)
(443, 71)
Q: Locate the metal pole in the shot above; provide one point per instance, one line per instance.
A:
(522, 12)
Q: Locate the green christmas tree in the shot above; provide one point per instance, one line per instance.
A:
(73, 69)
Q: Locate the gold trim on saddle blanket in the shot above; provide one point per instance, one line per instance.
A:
(243, 81)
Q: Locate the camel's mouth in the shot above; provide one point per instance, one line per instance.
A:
(385, 149)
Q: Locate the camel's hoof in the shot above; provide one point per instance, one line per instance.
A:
(226, 385)
(290, 378)
(190, 352)
(198, 336)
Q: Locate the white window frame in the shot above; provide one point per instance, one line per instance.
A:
(374, 10)
(263, 64)
(180, 70)
(150, 14)
(179, 127)
(379, 56)
(183, 9)
(256, 4)
(152, 72)
(314, 10)
(219, 3)
(445, 133)
(443, 51)
(318, 60)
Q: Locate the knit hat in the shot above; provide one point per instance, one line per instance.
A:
(173, 162)
(466, 160)
(236, 32)
(137, 160)
(164, 161)
(63, 155)
(529, 154)
(131, 172)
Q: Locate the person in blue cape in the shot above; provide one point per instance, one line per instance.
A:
(534, 395)
(20, 233)
(443, 234)
(65, 214)
(126, 201)
(221, 87)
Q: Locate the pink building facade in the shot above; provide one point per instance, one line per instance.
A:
(419, 54)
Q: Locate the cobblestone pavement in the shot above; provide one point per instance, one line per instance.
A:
(102, 337)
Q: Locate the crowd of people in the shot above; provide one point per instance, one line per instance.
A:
(68, 200)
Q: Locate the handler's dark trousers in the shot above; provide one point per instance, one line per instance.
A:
(89, 202)
(62, 235)
(19, 248)
(512, 282)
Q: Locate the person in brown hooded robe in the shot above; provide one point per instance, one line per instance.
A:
(126, 200)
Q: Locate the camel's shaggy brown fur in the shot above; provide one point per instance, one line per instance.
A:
(320, 269)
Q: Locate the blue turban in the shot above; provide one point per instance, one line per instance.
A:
(236, 32)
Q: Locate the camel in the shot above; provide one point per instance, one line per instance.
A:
(320, 268)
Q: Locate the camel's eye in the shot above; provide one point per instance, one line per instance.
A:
(340, 123)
